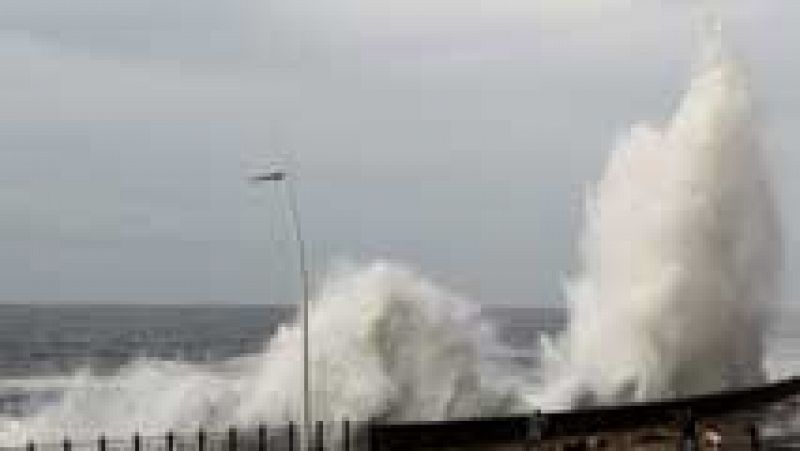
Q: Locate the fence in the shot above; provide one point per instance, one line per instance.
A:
(345, 436)
(530, 433)
(745, 415)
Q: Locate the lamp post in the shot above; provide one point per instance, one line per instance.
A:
(282, 176)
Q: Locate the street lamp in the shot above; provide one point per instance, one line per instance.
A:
(282, 176)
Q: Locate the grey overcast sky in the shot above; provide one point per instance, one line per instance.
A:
(454, 136)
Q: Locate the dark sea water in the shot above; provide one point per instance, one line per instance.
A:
(53, 340)
(41, 347)
(39, 344)
(48, 340)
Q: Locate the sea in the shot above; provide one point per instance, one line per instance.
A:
(41, 345)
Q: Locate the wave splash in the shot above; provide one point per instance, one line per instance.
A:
(680, 253)
(385, 344)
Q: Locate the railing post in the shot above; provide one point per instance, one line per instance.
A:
(689, 440)
(262, 437)
(232, 439)
(320, 433)
(170, 439)
(346, 435)
(755, 437)
(291, 436)
(372, 437)
(536, 425)
(201, 439)
(137, 442)
(102, 443)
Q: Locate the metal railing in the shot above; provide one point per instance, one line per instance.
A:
(498, 433)
(344, 436)
(747, 413)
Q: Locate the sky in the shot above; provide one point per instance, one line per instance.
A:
(457, 138)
